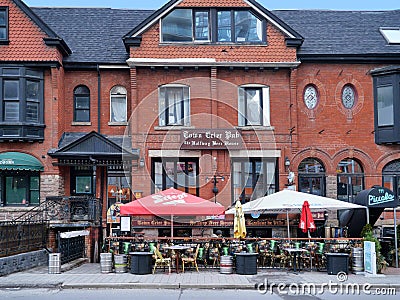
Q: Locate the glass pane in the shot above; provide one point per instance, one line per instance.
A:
(16, 187)
(241, 109)
(170, 171)
(34, 198)
(385, 106)
(34, 183)
(237, 181)
(82, 115)
(259, 177)
(311, 165)
(161, 107)
(11, 71)
(305, 184)
(32, 90)
(81, 90)
(388, 182)
(349, 166)
(3, 33)
(11, 111)
(177, 26)
(224, 26)
(81, 102)
(11, 90)
(3, 21)
(33, 73)
(118, 109)
(32, 112)
(83, 185)
(253, 105)
(201, 26)
(247, 27)
(158, 176)
(174, 101)
(191, 172)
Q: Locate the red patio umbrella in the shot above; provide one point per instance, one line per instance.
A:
(306, 219)
(172, 202)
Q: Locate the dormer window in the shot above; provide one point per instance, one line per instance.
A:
(3, 24)
(212, 26)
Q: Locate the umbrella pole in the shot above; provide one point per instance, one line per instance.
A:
(287, 222)
(172, 228)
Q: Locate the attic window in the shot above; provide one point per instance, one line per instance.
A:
(391, 35)
(3, 24)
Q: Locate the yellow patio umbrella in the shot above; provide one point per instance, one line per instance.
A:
(239, 225)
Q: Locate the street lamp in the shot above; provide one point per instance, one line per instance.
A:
(215, 190)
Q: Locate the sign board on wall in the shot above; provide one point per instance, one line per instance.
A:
(214, 139)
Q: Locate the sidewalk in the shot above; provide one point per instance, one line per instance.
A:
(89, 276)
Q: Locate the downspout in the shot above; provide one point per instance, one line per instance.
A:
(98, 99)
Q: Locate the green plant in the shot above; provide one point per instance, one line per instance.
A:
(368, 235)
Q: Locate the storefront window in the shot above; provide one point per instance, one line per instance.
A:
(350, 179)
(391, 177)
(252, 179)
(118, 189)
(312, 177)
(19, 188)
(181, 174)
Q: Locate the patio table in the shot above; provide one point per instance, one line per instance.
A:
(178, 251)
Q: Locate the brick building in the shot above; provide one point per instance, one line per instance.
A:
(222, 99)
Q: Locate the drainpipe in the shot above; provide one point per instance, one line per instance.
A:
(98, 98)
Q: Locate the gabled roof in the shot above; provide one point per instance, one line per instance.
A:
(91, 144)
(133, 37)
(53, 39)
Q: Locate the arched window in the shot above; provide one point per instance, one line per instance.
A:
(81, 104)
(118, 105)
(391, 177)
(312, 177)
(350, 179)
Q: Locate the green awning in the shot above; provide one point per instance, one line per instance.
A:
(19, 161)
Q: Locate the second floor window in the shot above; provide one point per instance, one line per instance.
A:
(174, 105)
(81, 104)
(3, 24)
(253, 106)
(118, 103)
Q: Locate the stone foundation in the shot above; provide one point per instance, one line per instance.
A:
(23, 261)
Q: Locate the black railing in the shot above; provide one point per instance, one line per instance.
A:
(71, 248)
(19, 237)
(73, 208)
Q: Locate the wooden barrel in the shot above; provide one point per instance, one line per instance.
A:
(120, 263)
(226, 264)
(106, 262)
(54, 263)
(357, 257)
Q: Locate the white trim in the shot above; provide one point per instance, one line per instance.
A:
(255, 153)
(269, 19)
(151, 23)
(205, 62)
(113, 67)
(174, 153)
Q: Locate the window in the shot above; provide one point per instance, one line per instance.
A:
(19, 188)
(310, 96)
(312, 177)
(3, 24)
(350, 179)
(391, 177)
(118, 185)
(348, 96)
(253, 178)
(385, 107)
(179, 173)
(391, 35)
(231, 26)
(253, 106)
(81, 104)
(81, 180)
(174, 105)
(118, 104)
(21, 103)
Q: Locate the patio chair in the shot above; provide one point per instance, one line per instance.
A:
(191, 259)
(161, 261)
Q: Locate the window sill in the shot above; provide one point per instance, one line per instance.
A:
(255, 128)
(4, 42)
(167, 128)
(117, 123)
(81, 123)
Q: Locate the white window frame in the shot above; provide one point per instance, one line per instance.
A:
(266, 120)
(115, 94)
(162, 121)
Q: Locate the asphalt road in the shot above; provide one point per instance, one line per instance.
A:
(125, 294)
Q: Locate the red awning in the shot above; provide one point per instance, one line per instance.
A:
(172, 202)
